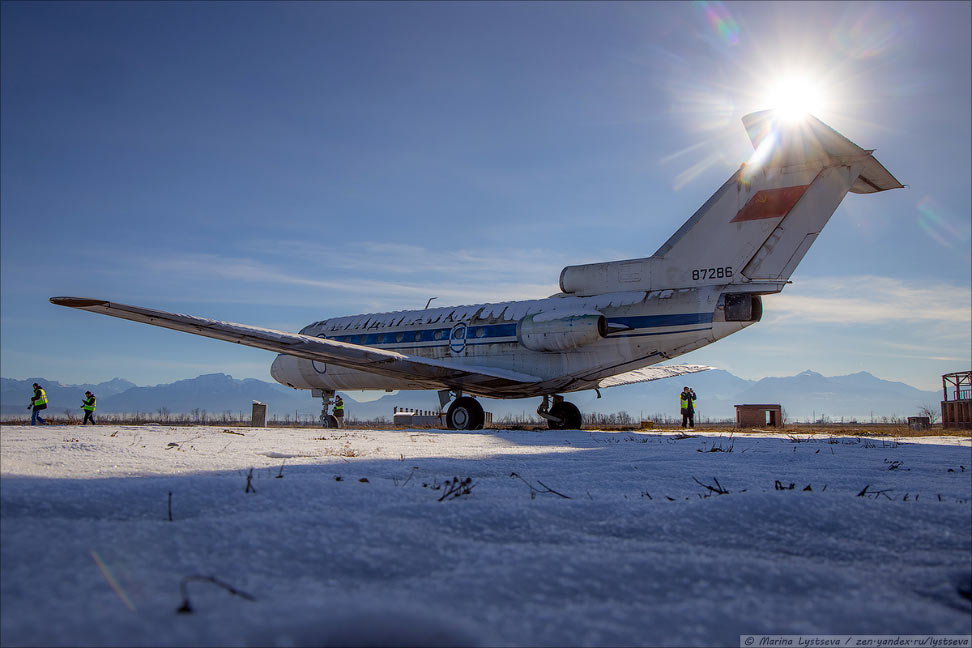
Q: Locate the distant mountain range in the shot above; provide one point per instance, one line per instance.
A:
(805, 396)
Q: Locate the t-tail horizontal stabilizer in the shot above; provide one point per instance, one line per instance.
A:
(756, 228)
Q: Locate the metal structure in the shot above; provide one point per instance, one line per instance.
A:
(957, 406)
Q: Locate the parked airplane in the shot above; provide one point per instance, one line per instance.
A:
(611, 322)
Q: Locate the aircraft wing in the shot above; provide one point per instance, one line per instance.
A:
(356, 356)
(647, 374)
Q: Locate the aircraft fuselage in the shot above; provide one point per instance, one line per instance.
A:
(639, 329)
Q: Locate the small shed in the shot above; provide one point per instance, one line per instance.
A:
(759, 416)
(919, 423)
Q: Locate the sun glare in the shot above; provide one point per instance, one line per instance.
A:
(793, 97)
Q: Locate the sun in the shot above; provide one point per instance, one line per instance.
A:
(794, 96)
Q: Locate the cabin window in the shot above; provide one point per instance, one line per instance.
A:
(480, 332)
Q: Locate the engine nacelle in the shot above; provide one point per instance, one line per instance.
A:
(613, 276)
(561, 331)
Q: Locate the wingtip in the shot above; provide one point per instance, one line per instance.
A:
(77, 302)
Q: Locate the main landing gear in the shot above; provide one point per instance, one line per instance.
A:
(562, 415)
(465, 413)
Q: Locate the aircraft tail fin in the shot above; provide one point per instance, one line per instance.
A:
(756, 228)
(793, 151)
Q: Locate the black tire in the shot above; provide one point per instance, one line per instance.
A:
(568, 414)
(329, 421)
(465, 413)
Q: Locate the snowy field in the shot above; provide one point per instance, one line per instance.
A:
(363, 537)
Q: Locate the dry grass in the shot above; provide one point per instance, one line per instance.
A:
(845, 429)
(868, 430)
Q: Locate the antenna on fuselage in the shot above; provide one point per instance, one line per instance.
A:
(429, 302)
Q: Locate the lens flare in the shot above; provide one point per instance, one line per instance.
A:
(935, 221)
(112, 581)
(871, 34)
(761, 154)
(720, 20)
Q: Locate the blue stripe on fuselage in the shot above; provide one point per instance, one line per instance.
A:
(656, 321)
(428, 335)
(627, 334)
(487, 333)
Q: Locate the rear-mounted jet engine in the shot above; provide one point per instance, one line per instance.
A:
(554, 331)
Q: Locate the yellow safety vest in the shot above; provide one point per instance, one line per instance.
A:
(89, 404)
(40, 400)
(686, 402)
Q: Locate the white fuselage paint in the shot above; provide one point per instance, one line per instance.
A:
(644, 329)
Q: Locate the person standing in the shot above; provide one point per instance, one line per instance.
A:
(687, 402)
(88, 405)
(339, 411)
(38, 402)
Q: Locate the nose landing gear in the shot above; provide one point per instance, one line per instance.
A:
(327, 419)
(562, 415)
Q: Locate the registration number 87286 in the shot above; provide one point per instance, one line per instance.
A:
(711, 273)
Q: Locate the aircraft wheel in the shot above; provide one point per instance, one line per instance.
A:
(329, 421)
(465, 413)
(568, 414)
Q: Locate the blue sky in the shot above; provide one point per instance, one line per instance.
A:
(281, 163)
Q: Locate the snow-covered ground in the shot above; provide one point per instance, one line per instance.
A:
(348, 539)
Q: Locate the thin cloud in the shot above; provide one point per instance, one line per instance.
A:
(869, 300)
(251, 275)
(397, 258)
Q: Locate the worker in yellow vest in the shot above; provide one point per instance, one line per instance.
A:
(88, 405)
(687, 402)
(339, 411)
(38, 402)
